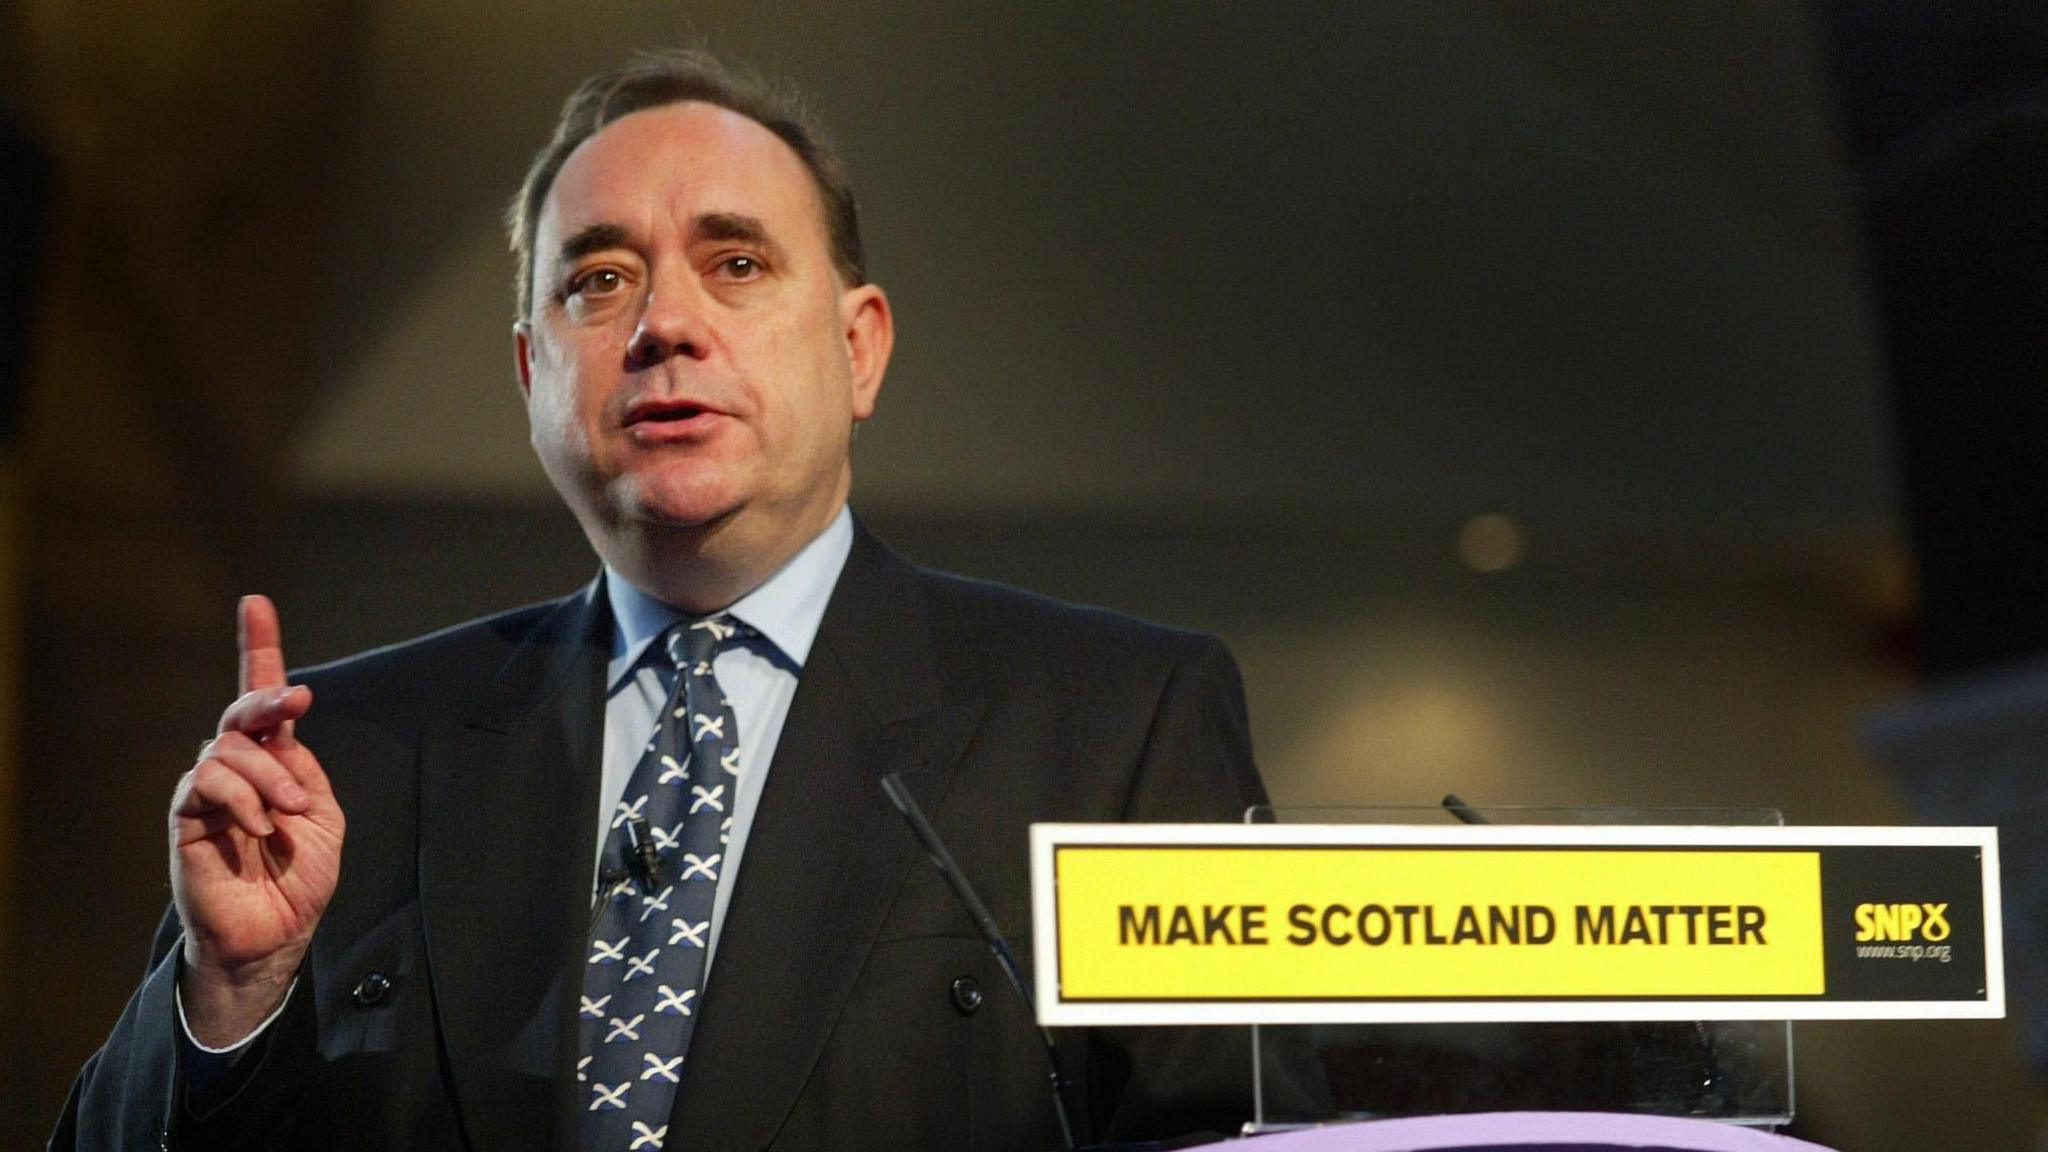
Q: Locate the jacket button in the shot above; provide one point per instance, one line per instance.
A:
(966, 995)
(371, 989)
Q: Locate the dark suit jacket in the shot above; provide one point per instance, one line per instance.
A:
(468, 764)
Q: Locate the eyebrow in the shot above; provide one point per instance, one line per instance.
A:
(737, 226)
(592, 238)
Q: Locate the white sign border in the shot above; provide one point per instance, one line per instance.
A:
(1053, 1012)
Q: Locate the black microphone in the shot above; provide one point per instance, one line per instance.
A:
(644, 859)
(985, 922)
(643, 864)
(1465, 813)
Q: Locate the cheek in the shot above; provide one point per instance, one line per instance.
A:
(553, 428)
(826, 376)
(801, 380)
(560, 370)
(554, 409)
(548, 411)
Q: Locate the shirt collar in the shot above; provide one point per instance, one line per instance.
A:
(786, 608)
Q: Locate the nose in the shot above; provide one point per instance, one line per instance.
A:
(673, 322)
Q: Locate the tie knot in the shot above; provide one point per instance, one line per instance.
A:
(697, 641)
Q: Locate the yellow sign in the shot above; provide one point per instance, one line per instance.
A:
(1242, 924)
(1222, 923)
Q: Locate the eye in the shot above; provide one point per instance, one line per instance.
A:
(596, 282)
(740, 267)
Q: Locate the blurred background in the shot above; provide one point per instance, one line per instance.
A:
(1576, 403)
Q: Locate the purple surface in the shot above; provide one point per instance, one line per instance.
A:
(1558, 1130)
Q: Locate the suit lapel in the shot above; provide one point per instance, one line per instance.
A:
(825, 853)
(504, 878)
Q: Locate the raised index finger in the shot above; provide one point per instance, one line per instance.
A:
(260, 641)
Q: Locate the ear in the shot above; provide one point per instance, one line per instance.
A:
(870, 336)
(522, 356)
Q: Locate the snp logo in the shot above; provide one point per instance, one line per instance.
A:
(1902, 922)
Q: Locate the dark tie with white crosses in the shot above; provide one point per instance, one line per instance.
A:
(645, 967)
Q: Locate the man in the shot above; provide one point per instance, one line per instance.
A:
(697, 341)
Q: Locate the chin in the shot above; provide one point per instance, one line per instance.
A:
(671, 502)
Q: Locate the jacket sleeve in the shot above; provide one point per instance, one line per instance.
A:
(1155, 1082)
(130, 1094)
(123, 1097)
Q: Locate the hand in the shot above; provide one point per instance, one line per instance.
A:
(255, 846)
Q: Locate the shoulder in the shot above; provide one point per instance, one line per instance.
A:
(991, 610)
(447, 670)
(997, 634)
(1132, 719)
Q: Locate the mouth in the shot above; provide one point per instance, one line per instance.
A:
(665, 413)
(672, 421)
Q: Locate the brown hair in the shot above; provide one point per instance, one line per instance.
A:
(673, 76)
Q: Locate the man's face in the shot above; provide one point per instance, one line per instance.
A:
(693, 365)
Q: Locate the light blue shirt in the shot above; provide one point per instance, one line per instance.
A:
(759, 677)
